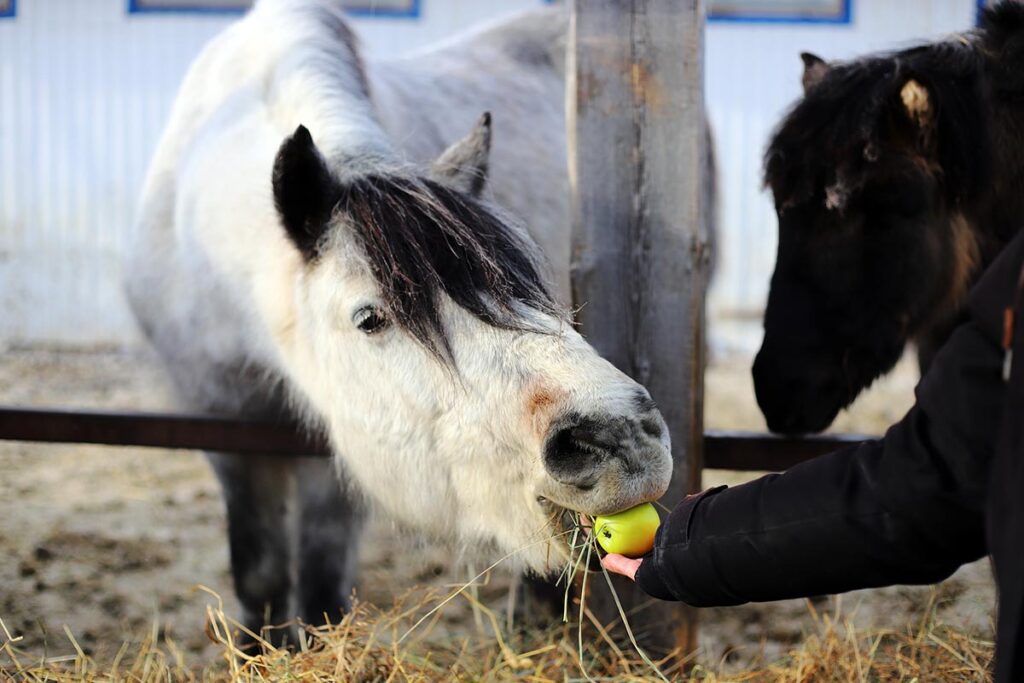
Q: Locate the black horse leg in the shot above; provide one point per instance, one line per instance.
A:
(331, 523)
(539, 602)
(258, 492)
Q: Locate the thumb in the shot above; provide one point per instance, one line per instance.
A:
(620, 564)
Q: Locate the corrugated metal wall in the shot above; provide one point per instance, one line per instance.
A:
(85, 89)
(83, 93)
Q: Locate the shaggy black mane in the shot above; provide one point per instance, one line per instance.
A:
(422, 238)
(847, 121)
(1003, 28)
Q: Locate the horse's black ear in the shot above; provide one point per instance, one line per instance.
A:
(815, 69)
(464, 165)
(917, 104)
(305, 191)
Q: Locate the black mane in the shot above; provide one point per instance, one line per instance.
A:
(422, 238)
(840, 124)
(1003, 28)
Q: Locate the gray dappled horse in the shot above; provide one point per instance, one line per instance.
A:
(300, 255)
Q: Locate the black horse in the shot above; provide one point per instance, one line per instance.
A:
(897, 179)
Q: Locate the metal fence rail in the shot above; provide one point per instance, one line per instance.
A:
(722, 450)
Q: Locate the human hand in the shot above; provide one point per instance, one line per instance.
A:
(620, 564)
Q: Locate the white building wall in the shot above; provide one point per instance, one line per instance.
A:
(85, 89)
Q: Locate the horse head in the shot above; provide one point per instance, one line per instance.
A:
(452, 385)
(872, 174)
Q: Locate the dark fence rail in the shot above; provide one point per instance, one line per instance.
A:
(765, 452)
(722, 450)
(158, 430)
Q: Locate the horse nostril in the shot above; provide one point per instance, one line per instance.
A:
(650, 419)
(576, 452)
(652, 427)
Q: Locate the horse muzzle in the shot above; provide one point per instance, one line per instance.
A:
(797, 397)
(600, 464)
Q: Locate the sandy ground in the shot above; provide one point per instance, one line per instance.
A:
(110, 541)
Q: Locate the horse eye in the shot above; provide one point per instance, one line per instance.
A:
(370, 319)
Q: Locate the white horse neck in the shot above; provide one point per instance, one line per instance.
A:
(315, 78)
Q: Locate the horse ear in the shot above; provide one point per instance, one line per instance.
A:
(305, 191)
(464, 165)
(916, 103)
(815, 69)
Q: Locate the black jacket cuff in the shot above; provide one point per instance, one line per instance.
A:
(653, 576)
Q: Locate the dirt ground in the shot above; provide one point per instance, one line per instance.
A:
(108, 542)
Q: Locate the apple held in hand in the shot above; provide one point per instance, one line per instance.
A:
(630, 532)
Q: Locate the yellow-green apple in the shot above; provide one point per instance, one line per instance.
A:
(630, 532)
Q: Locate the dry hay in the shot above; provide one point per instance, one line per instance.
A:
(368, 645)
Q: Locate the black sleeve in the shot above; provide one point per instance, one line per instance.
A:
(908, 508)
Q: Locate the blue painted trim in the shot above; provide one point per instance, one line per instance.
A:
(384, 13)
(135, 8)
(845, 16)
(11, 11)
(413, 12)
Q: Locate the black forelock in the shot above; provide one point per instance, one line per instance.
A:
(841, 122)
(422, 239)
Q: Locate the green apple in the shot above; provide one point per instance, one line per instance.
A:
(630, 532)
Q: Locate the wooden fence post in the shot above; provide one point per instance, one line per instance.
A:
(639, 258)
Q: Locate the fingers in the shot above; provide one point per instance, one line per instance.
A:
(620, 564)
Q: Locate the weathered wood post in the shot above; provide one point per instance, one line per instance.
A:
(639, 261)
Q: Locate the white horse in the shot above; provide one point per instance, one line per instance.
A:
(299, 256)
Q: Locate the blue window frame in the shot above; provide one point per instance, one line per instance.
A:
(8, 8)
(188, 6)
(781, 11)
(401, 9)
(360, 8)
